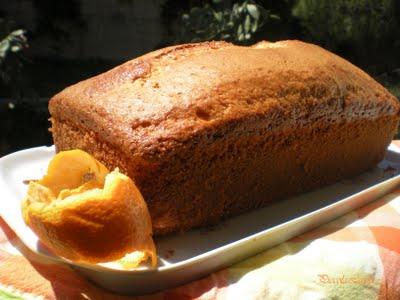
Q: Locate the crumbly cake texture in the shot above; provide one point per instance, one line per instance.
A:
(212, 130)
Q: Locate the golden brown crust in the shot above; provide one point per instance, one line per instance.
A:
(214, 176)
(191, 122)
(143, 102)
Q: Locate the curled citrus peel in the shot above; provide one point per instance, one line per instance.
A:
(85, 213)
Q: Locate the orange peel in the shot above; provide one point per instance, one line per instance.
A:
(85, 213)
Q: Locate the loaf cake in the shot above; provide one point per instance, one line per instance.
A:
(211, 130)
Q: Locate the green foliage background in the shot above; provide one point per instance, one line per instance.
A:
(348, 21)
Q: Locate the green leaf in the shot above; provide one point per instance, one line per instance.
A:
(247, 24)
(218, 16)
(230, 24)
(236, 13)
(240, 30)
(4, 45)
(254, 26)
(235, 8)
(253, 11)
(18, 32)
(275, 17)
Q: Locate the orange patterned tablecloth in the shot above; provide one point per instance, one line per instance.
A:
(354, 257)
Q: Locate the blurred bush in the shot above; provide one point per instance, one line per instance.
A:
(240, 21)
(215, 21)
(364, 31)
(56, 23)
(343, 21)
(12, 42)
